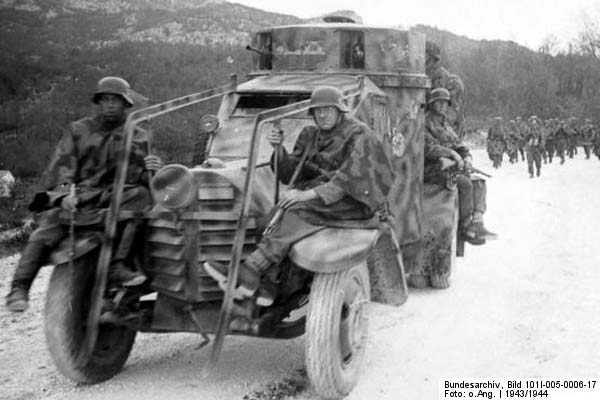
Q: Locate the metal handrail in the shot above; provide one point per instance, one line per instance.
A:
(133, 120)
(240, 234)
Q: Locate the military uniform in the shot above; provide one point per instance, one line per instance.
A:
(596, 142)
(522, 129)
(572, 138)
(512, 143)
(588, 134)
(348, 170)
(350, 185)
(560, 141)
(442, 78)
(496, 143)
(86, 156)
(442, 141)
(534, 148)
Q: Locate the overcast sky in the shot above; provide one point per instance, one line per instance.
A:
(526, 22)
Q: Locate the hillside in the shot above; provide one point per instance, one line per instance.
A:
(53, 51)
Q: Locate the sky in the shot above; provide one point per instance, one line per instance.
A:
(527, 22)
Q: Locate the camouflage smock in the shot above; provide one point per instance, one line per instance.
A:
(440, 141)
(87, 155)
(348, 169)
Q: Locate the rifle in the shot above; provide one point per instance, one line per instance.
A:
(279, 212)
(453, 171)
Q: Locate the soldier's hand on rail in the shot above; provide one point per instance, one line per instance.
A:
(446, 163)
(275, 137)
(152, 163)
(294, 196)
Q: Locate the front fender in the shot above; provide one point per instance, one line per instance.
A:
(333, 249)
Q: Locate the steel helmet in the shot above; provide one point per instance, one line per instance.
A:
(439, 94)
(327, 96)
(113, 85)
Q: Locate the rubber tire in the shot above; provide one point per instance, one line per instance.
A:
(65, 315)
(442, 281)
(329, 375)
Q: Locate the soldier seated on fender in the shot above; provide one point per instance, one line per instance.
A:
(444, 149)
(343, 178)
(86, 156)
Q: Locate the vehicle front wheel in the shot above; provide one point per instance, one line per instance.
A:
(336, 330)
(67, 304)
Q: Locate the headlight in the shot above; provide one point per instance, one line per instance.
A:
(209, 123)
(173, 186)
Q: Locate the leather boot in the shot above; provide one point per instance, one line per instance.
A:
(30, 263)
(120, 274)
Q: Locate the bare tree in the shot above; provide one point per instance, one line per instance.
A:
(588, 38)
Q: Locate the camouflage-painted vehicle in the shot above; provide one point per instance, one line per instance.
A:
(220, 208)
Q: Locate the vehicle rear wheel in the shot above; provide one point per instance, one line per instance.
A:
(67, 303)
(336, 330)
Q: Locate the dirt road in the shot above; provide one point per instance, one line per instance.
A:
(523, 306)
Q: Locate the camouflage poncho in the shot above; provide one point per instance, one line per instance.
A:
(347, 167)
(86, 155)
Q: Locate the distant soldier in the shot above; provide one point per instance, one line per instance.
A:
(496, 142)
(522, 132)
(534, 146)
(443, 149)
(441, 77)
(548, 140)
(512, 142)
(587, 133)
(561, 140)
(596, 142)
(572, 137)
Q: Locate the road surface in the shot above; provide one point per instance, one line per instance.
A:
(525, 305)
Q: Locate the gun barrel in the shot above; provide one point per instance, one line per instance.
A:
(478, 171)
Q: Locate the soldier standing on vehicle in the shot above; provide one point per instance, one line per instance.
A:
(86, 156)
(344, 177)
(441, 77)
(443, 149)
(535, 146)
(496, 142)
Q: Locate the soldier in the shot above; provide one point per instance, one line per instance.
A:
(596, 142)
(560, 140)
(587, 132)
(571, 137)
(512, 142)
(344, 181)
(522, 132)
(548, 140)
(496, 142)
(535, 146)
(440, 77)
(443, 149)
(86, 156)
